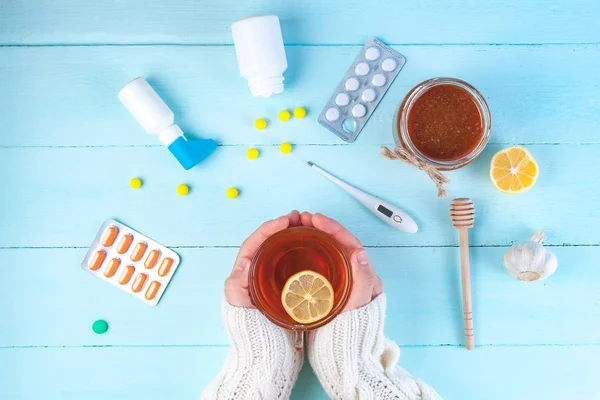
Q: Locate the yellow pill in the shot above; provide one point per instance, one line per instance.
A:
(135, 183)
(285, 148)
(299, 112)
(183, 189)
(252, 153)
(284, 115)
(232, 193)
(260, 124)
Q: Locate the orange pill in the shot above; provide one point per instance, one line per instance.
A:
(152, 290)
(111, 270)
(109, 236)
(152, 259)
(138, 284)
(165, 266)
(126, 275)
(97, 260)
(138, 251)
(124, 244)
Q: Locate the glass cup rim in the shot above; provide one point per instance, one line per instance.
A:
(259, 302)
(402, 138)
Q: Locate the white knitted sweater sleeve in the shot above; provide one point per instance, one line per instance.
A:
(262, 362)
(353, 360)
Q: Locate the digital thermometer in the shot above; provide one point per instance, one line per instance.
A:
(385, 211)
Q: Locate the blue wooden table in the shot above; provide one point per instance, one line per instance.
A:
(68, 149)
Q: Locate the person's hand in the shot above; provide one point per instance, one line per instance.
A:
(367, 285)
(236, 286)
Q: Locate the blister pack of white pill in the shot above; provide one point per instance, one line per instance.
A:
(131, 261)
(360, 91)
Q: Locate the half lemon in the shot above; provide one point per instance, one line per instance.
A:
(513, 170)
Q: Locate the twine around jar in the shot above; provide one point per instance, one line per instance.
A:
(401, 154)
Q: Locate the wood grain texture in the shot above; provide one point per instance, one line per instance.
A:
(68, 149)
(309, 22)
(60, 196)
(67, 96)
(56, 302)
(495, 373)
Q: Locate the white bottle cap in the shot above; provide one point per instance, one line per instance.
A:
(149, 110)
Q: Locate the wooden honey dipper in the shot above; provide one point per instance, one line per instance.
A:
(462, 212)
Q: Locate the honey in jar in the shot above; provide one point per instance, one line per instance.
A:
(444, 122)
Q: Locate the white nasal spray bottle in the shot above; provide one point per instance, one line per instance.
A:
(157, 119)
(260, 53)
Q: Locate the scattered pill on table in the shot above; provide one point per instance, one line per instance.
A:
(299, 112)
(285, 147)
(260, 124)
(232, 193)
(183, 189)
(135, 183)
(99, 327)
(284, 115)
(252, 153)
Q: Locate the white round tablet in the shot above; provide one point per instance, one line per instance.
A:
(342, 99)
(368, 95)
(352, 84)
(332, 114)
(372, 53)
(361, 69)
(378, 80)
(388, 65)
(359, 110)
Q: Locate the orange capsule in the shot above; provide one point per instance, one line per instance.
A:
(152, 290)
(124, 244)
(111, 270)
(138, 284)
(152, 259)
(97, 260)
(165, 266)
(138, 251)
(109, 236)
(126, 275)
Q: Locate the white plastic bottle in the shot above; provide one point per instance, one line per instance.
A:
(260, 53)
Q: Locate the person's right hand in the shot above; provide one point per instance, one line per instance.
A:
(366, 284)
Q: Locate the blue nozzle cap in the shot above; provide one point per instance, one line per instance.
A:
(191, 152)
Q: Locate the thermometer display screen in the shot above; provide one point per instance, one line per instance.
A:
(385, 211)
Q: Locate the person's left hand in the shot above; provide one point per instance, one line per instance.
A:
(236, 286)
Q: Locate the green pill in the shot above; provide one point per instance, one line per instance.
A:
(99, 327)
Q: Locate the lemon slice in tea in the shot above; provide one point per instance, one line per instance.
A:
(307, 297)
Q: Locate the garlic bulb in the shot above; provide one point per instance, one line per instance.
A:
(530, 261)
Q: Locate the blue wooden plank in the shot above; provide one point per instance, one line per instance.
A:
(312, 21)
(546, 94)
(494, 373)
(47, 300)
(60, 196)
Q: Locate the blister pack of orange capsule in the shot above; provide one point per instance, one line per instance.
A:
(131, 261)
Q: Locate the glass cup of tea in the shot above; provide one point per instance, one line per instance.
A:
(289, 252)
